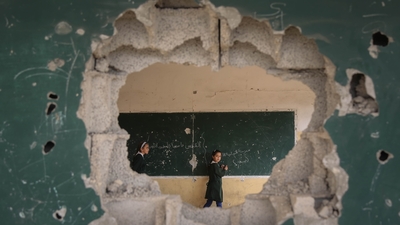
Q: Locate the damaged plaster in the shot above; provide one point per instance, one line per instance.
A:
(383, 156)
(60, 214)
(307, 185)
(193, 162)
(55, 63)
(63, 28)
(358, 96)
(378, 40)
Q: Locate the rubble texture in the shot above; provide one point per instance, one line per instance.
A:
(307, 185)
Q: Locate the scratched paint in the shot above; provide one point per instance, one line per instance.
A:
(33, 145)
(193, 162)
(94, 208)
(375, 178)
(63, 28)
(55, 63)
(375, 134)
(388, 202)
(187, 130)
(373, 50)
(80, 31)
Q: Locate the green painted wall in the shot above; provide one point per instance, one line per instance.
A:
(34, 185)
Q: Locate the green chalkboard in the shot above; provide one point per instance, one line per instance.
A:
(251, 142)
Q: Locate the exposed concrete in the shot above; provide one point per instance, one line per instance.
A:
(258, 209)
(307, 185)
(299, 52)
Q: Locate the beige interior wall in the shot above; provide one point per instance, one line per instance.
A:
(193, 189)
(179, 88)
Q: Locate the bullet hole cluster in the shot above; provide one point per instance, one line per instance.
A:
(51, 106)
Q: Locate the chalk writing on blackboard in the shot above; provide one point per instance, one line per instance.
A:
(238, 157)
(373, 27)
(174, 145)
(275, 18)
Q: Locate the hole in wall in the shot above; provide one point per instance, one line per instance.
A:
(60, 214)
(52, 96)
(383, 156)
(357, 85)
(180, 38)
(163, 88)
(48, 147)
(51, 106)
(380, 39)
(358, 96)
(361, 100)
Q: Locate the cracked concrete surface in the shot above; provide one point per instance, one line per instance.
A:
(307, 185)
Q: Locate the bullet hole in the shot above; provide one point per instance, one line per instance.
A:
(60, 214)
(194, 92)
(380, 39)
(50, 108)
(383, 156)
(52, 95)
(48, 147)
(361, 100)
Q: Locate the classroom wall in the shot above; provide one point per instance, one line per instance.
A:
(180, 88)
(192, 189)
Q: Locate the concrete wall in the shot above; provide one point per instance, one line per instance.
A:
(179, 88)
